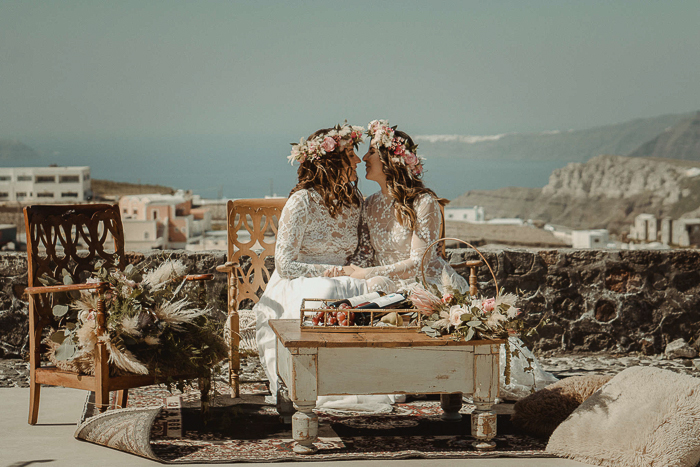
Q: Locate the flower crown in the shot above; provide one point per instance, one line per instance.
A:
(317, 147)
(400, 150)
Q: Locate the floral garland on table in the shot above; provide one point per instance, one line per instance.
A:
(447, 310)
(382, 136)
(316, 148)
(152, 327)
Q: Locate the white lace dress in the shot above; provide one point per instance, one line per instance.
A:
(309, 241)
(397, 254)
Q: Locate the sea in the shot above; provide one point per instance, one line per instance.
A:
(253, 167)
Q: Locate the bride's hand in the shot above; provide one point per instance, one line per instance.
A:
(358, 273)
(334, 272)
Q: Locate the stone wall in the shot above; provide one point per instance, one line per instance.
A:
(596, 300)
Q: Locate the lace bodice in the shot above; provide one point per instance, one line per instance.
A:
(309, 240)
(397, 249)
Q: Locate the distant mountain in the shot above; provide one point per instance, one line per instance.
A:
(681, 141)
(565, 146)
(605, 192)
(15, 151)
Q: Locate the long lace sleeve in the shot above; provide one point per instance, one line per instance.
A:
(427, 230)
(293, 225)
(364, 253)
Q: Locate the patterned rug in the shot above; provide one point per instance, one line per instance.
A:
(171, 429)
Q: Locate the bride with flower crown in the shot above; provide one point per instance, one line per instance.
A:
(401, 220)
(317, 233)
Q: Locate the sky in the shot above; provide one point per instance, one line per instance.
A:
(282, 69)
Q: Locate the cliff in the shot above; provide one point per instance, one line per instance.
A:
(605, 192)
(681, 141)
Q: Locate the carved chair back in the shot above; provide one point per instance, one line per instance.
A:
(70, 237)
(259, 218)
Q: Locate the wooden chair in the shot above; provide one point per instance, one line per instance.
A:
(258, 217)
(54, 234)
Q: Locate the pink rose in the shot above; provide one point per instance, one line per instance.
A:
(328, 144)
(489, 304)
(446, 298)
(410, 158)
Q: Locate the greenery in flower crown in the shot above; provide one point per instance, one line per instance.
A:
(154, 324)
(449, 310)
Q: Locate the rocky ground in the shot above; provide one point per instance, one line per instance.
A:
(14, 373)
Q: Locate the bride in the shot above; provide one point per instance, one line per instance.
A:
(317, 233)
(403, 218)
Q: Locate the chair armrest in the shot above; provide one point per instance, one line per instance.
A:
(65, 288)
(227, 267)
(199, 277)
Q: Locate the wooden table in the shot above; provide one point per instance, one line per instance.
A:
(313, 364)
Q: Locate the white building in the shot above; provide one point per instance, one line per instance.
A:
(45, 184)
(472, 214)
(645, 228)
(597, 238)
(161, 221)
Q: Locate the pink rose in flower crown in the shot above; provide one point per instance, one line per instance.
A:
(489, 304)
(328, 144)
(447, 298)
(410, 158)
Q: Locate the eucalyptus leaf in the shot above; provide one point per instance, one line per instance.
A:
(470, 334)
(466, 317)
(67, 280)
(66, 350)
(70, 326)
(60, 310)
(474, 322)
(58, 337)
(129, 270)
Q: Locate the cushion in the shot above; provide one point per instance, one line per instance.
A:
(540, 413)
(246, 329)
(644, 416)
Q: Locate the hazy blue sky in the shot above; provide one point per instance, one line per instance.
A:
(159, 68)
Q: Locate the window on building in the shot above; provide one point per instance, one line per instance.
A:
(69, 194)
(155, 215)
(45, 179)
(125, 211)
(86, 177)
(69, 179)
(5, 178)
(135, 211)
(24, 178)
(145, 235)
(44, 195)
(4, 195)
(21, 194)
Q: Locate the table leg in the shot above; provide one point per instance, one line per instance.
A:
(451, 403)
(483, 427)
(305, 427)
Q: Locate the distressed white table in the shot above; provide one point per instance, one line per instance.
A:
(313, 364)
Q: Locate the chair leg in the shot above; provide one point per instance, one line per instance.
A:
(122, 398)
(34, 393)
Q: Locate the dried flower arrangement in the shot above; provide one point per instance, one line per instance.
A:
(153, 326)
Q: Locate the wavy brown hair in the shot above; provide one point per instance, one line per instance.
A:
(403, 187)
(330, 177)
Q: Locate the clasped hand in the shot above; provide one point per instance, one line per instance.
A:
(353, 271)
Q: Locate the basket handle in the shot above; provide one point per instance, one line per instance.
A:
(422, 261)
